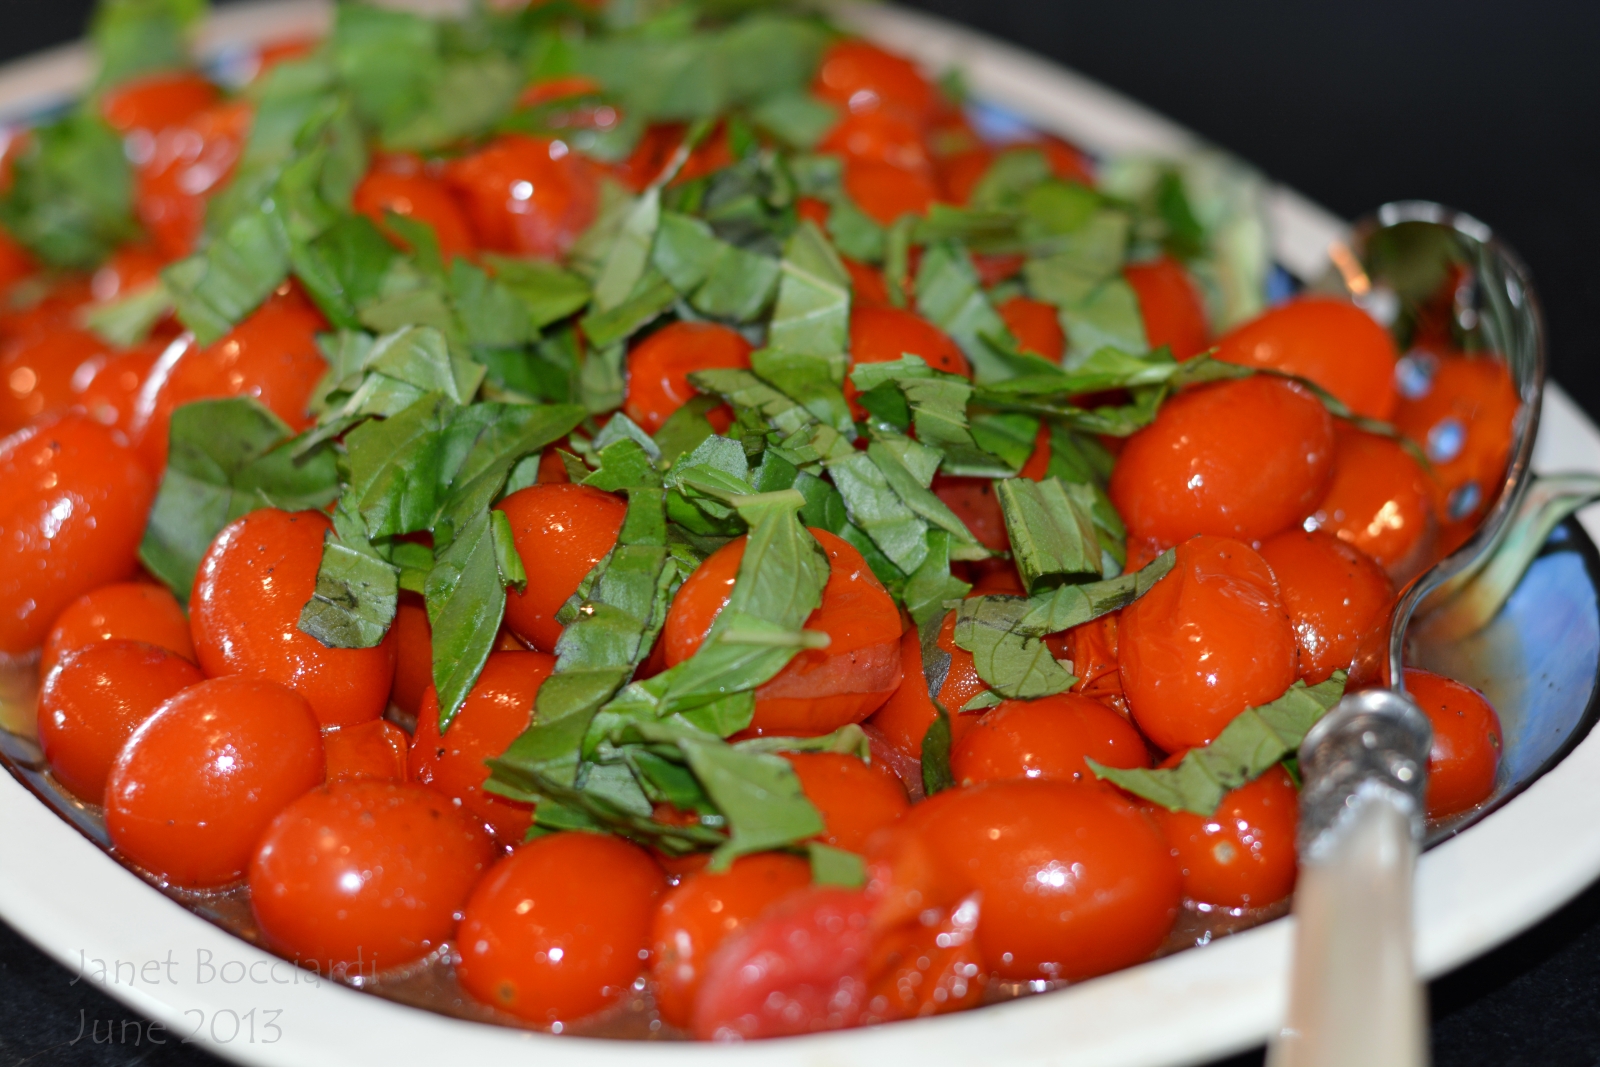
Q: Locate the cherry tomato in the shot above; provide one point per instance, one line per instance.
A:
(659, 367)
(1001, 579)
(73, 504)
(879, 136)
(884, 334)
(413, 653)
(561, 532)
(886, 192)
(821, 689)
(1209, 640)
(1336, 598)
(405, 189)
(1466, 742)
(130, 267)
(869, 289)
(494, 714)
(862, 77)
(199, 781)
(111, 396)
(1460, 410)
(532, 195)
(856, 799)
(372, 749)
(816, 212)
(62, 301)
(1379, 501)
(156, 101)
(128, 611)
(1170, 305)
(1067, 161)
(1092, 648)
(1243, 854)
(705, 910)
(960, 173)
(41, 374)
(1331, 342)
(272, 355)
(561, 927)
(1036, 327)
(905, 717)
(92, 702)
(367, 874)
(1074, 881)
(245, 615)
(1048, 738)
(978, 506)
(180, 166)
(1238, 459)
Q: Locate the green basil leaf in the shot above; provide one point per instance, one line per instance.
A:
(466, 98)
(624, 465)
(70, 193)
(936, 745)
(877, 509)
(812, 316)
(128, 319)
(923, 503)
(738, 287)
(653, 295)
(216, 288)
(548, 293)
(491, 314)
(134, 37)
(686, 428)
(811, 380)
(1052, 535)
(950, 296)
(343, 268)
(466, 598)
(1009, 177)
(835, 866)
(354, 600)
(798, 119)
(931, 585)
(630, 253)
(760, 796)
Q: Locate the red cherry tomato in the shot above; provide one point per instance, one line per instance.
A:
(180, 167)
(1049, 738)
(960, 173)
(494, 714)
(1067, 161)
(705, 910)
(1092, 648)
(532, 195)
(862, 77)
(57, 308)
(978, 506)
(561, 532)
(1333, 343)
(373, 749)
(73, 504)
(1209, 640)
(156, 101)
(365, 874)
(413, 653)
(884, 334)
(128, 611)
(1074, 881)
(111, 396)
(885, 192)
(879, 136)
(659, 367)
(1238, 459)
(1466, 742)
(199, 781)
(130, 267)
(1036, 326)
(869, 289)
(905, 717)
(1336, 598)
(1461, 410)
(1173, 312)
(821, 689)
(93, 701)
(1243, 854)
(272, 356)
(1379, 501)
(245, 614)
(40, 374)
(856, 799)
(561, 927)
(409, 191)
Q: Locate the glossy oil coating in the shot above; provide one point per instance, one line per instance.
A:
(1243, 854)
(1336, 598)
(1331, 342)
(1047, 738)
(531, 195)
(131, 611)
(659, 367)
(561, 531)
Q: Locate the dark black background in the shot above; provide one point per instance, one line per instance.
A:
(1489, 107)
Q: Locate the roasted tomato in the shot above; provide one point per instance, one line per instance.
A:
(856, 799)
(884, 334)
(376, 748)
(1466, 742)
(111, 396)
(531, 195)
(862, 77)
(561, 532)
(1243, 854)
(1336, 597)
(1048, 738)
(1379, 501)
(879, 136)
(402, 184)
(1170, 306)
(904, 719)
(179, 166)
(43, 373)
(1331, 342)
(659, 367)
(413, 647)
(1036, 326)
(885, 192)
(128, 611)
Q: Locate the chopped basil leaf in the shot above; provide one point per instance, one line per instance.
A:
(134, 37)
(1052, 534)
(936, 745)
(69, 198)
(812, 316)
(835, 866)
(355, 597)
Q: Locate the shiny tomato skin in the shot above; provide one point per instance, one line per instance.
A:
(856, 798)
(245, 613)
(1331, 342)
(92, 702)
(1207, 641)
(111, 396)
(413, 653)
(199, 781)
(128, 611)
(702, 912)
(879, 136)
(561, 532)
(1335, 595)
(905, 717)
(1379, 501)
(1075, 881)
(156, 101)
(1170, 305)
(821, 689)
(886, 192)
(529, 195)
(659, 368)
(1466, 742)
(1243, 854)
(561, 927)
(373, 749)
(861, 77)
(180, 166)
(884, 334)
(272, 355)
(868, 286)
(1049, 738)
(73, 504)
(367, 874)
(494, 714)
(40, 374)
(1461, 415)
(1238, 459)
(1036, 326)
(418, 196)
